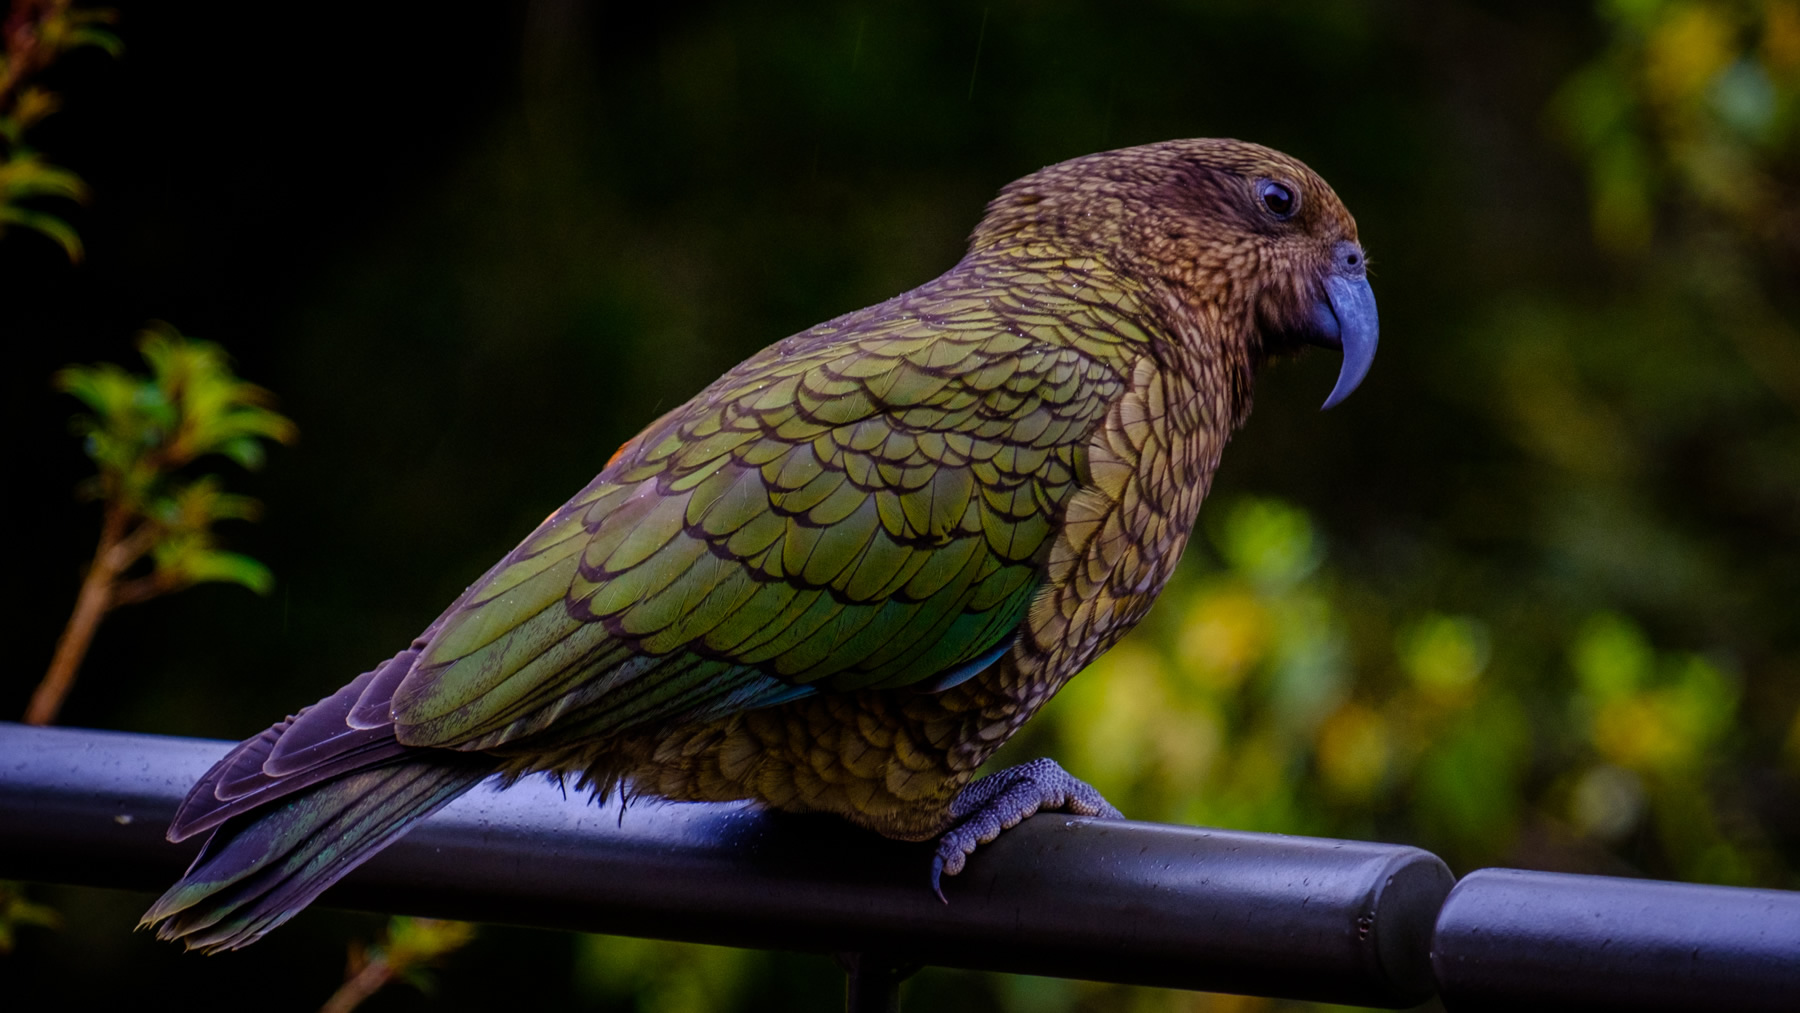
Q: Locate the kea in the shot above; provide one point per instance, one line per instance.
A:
(841, 576)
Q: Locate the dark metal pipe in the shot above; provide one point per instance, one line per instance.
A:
(1514, 940)
(1298, 917)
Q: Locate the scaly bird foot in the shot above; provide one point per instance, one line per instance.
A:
(999, 801)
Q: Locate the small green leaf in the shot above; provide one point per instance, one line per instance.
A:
(56, 229)
(244, 450)
(227, 567)
(105, 388)
(32, 105)
(96, 37)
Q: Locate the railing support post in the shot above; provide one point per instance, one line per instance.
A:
(873, 981)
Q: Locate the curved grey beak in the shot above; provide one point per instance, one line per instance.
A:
(1346, 319)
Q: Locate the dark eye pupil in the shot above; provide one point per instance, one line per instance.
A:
(1278, 199)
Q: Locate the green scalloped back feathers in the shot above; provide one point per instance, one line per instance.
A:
(867, 504)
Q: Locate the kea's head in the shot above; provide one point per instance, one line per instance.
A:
(1254, 250)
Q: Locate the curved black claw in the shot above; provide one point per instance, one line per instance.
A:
(999, 801)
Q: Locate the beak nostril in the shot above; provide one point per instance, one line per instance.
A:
(1347, 258)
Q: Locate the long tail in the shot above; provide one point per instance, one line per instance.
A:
(259, 871)
(296, 808)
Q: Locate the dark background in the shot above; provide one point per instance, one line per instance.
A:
(472, 252)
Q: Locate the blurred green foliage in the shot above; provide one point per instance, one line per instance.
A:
(36, 33)
(1527, 599)
(1694, 102)
(16, 911)
(144, 430)
(406, 952)
(659, 977)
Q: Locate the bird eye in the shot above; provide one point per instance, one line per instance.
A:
(1278, 198)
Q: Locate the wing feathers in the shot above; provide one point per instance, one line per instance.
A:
(866, 504)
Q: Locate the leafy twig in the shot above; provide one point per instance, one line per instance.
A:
(408, 949)
(143, 431)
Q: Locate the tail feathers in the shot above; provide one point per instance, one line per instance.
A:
(315, 745)
(261, 869)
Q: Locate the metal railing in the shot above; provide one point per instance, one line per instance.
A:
(1182, 907)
